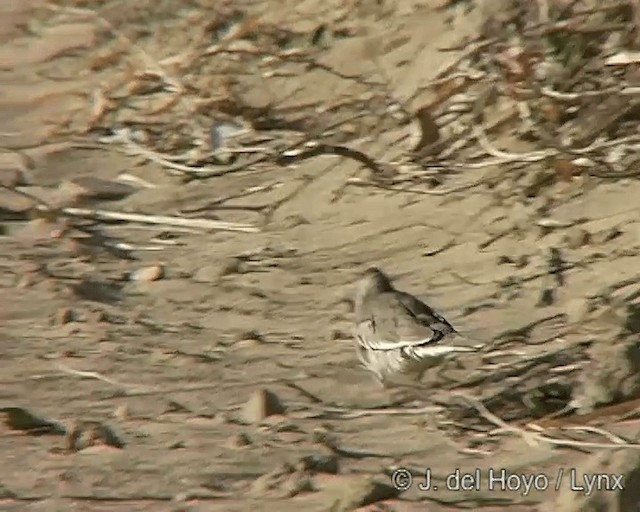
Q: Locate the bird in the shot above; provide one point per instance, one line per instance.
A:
(396, 334)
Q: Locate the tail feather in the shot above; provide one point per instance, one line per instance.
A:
(427, 351)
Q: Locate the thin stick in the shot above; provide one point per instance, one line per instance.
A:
(572, 96)
(165, 220)
(531, 438)
(399, 411)
(595, 430)
(533, 156)
(528, 437)
(443, 192)
(95, 375)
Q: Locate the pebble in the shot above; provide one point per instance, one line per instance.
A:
(262, 404)
(13, 167)
(320, 463)
(359, 493)
(11, 178)
(63, 316)
(122, 412)
(146, 274)
(90, 187)
(605, 235)
(214, 272)
(577, 310)
(207, 274)
(240, 440)
(14, 202)
(577, 237)
(271, 480)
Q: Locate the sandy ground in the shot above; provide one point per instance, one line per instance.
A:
(237, 312)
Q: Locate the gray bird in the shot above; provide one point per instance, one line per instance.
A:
(396, 334)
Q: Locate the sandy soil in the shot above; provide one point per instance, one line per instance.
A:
(182, 337)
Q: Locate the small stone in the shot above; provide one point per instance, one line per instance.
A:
(271, 480)
(41, 229)
(63, 316)
(577, 310)
(207, 274)
(292, 221)
(25, 281)
(325, 437)
(121, 412)
(152, 273)
(250, 338)
(359, 493)
(577, 237)
(296, 483)
(98, 317)
(15, 203)
(547, 298)
(240, 440)
(219, 133)
(337, 334)
(14, 170)
(17, 418)
(232, 266)
(13, 167)
(606, 235)
(213, 273)
(262, 404)
(90, 187)
(320, 463)
(11, 178)
(85, 434)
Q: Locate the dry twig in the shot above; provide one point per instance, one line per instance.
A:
(533, 438)
(163, 220)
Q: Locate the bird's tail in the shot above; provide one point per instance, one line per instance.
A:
(479, 343)
(441, 350)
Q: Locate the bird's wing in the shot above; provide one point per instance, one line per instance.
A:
(387, 324)
(424, 314)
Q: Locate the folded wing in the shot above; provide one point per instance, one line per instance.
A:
(390, 325)
(424, 314)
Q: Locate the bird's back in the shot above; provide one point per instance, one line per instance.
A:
(393, 321)
(424, 314)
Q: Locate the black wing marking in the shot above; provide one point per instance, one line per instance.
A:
(425, 314)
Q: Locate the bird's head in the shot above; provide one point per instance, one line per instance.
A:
(374, 280)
